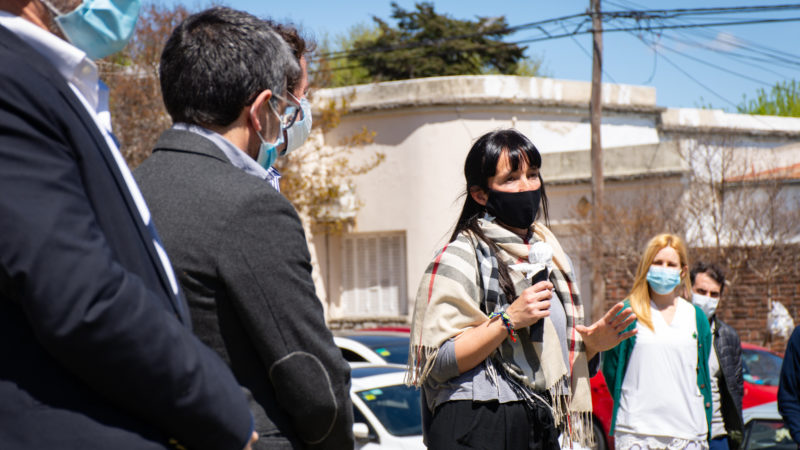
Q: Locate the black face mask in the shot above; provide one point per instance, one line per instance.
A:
(515, 209)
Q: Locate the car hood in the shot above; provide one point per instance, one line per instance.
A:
(763, 411)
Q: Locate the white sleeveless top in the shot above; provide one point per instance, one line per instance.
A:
(660, 397)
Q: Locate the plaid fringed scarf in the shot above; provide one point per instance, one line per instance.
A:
(461, 288)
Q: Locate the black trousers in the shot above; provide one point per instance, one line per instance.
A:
(463, 424)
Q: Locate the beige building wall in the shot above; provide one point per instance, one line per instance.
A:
(425, 127)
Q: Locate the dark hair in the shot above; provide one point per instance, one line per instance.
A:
(299, 45)
(217, 61)
(481, 164)
(710, 269)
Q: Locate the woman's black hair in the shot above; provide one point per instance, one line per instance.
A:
(481, 164)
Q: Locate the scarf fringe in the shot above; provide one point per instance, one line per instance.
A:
(558, 401)
(420, 364)
(576, 424)
(580, 429)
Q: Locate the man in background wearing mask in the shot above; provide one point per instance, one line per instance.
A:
(237, 244)
(724, 363)
(95, 338)
(296, 135)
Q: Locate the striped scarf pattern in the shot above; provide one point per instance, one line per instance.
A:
(461, 287)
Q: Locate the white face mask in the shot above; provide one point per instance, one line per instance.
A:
(707, 304)
(298, 133)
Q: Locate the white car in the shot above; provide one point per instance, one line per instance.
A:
(386, 412)
(373, 346)
(764, 429)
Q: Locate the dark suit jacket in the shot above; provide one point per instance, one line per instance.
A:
(242, 259)
(95, 350)
(728, 348)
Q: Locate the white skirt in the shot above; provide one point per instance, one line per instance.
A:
(629, 441)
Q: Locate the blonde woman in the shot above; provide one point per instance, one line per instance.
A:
(659, 378)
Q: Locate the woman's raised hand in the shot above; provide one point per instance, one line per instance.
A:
(532, 305)
(607, 332)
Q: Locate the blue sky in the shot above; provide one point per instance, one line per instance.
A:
(627, 59)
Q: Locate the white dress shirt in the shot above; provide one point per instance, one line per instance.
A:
(80, 73)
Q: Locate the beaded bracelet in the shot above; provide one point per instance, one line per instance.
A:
(507, 322)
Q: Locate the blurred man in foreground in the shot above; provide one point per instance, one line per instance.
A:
(95, 338)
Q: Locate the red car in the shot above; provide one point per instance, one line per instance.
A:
(761, 369)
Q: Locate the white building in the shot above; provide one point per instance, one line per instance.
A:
(425, 128)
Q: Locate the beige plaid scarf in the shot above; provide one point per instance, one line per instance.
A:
(461, 286)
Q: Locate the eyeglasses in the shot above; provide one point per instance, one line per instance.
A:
(291, 112)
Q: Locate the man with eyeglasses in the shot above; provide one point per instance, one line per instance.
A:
(236, 243)
(724, 362)
(297, 133)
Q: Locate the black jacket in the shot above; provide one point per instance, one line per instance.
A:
(95, 350)
(731, 388)
(789, 388)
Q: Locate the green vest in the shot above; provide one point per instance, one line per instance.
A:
(615, 364)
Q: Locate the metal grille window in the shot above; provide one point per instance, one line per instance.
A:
(374, 274)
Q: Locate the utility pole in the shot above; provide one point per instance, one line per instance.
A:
(595, 113)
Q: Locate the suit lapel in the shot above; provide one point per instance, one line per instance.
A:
(13, 43)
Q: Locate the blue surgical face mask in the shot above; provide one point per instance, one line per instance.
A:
(268, 152)
(663, 280)
(98, 27)
(298, 133)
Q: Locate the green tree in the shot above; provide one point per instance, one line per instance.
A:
(426, 44)
(336, 68)
(783, 99)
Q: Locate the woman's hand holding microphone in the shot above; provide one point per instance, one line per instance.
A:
(531, 306)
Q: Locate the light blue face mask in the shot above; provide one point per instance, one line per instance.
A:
(298, 133)
(268, 152)
(663, 280)
(99, 27)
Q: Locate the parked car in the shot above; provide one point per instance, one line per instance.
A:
(764, 429)
(386, 412)
(373, 346)
(602, 408)
(760, 369)
(760, 366)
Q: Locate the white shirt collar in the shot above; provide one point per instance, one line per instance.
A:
(234, 154)
(71, 62)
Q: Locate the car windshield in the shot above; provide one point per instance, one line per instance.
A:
(761, 367)
(397, 407)
(393, 349)
(768, 434)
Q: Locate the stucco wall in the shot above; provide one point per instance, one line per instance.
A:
(425, 128)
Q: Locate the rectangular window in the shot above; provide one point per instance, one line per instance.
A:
(374, 275)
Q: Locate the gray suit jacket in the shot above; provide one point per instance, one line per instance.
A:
(241, 256)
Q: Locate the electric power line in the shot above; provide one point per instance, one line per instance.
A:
(714, 66)
(641, 28)
(767, 54)
(613, 14)
(689, 76)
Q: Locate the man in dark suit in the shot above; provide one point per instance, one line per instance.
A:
(96, 349)
(237, 244)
